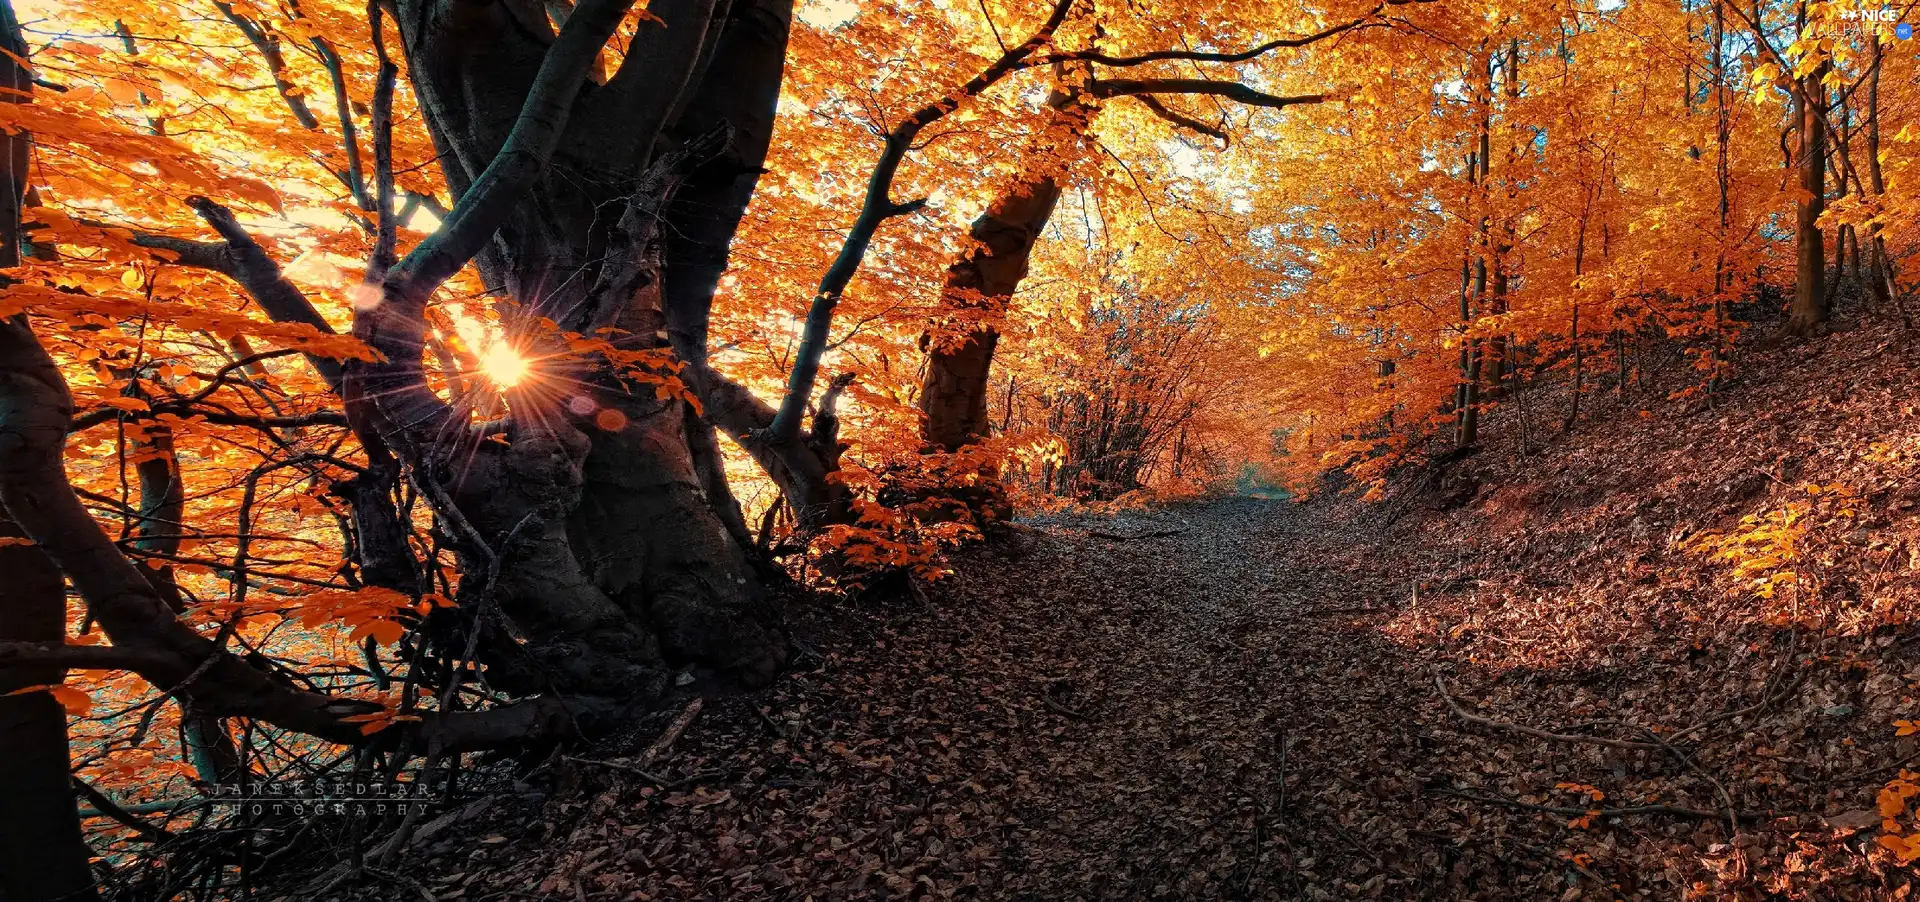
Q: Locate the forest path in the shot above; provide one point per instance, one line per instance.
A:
(1193, 659)
(1196, 702)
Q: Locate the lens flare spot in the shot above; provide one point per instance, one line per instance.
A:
(581, 405)
(503, 365)
(610, 420)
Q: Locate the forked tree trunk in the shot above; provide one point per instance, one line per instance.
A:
(619, 549)
(659, 575)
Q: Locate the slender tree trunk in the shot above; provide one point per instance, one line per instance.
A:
(1579, 360)
(953, 395)
(208, 746)
(738, 99)
(1498, 366)
(1841, 140)
(1838, 276)
(1810, 311)
(1457, 404)
(1622, 374)
(42, 855)
(1468, 426)
(1881, 266)
(1723, 181)
(1856, 262)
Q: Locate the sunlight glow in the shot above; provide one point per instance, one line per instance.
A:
(503, 365)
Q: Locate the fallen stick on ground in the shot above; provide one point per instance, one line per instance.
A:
(1726, 798)
(670, 736)
(1570, 811)
(1124, 537)
(1063, 710)
(641, 766)
(658, 781)
(1471, 717)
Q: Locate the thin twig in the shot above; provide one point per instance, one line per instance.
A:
(1565, 811)
(1123, 537)
(107, 806)
(1471, 717)
(657, 780)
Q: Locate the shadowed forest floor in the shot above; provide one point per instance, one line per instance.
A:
(1192, 715)
(1238, 699)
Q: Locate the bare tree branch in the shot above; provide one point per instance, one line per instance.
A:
(261, 277)
(35, 410)
(94, 418)
(386, 239)
(1231, 90)
(76, 657)
(269, 47)
(1094, 56)
(349, 133)
(1181, 120)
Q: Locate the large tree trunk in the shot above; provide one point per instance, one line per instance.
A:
(953, 395)
(625, 552)
(588, 510)
(737, 99)
(960, 344)
(42, 855)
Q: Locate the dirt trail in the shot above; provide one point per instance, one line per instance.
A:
(1194, 715)
(1196, 658)
(1194, 703)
